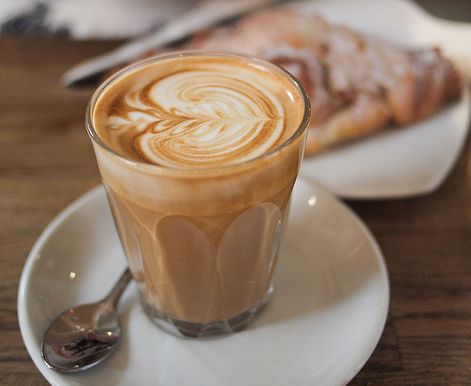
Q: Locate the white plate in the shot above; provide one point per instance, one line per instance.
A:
(327, 315)
(412, 160)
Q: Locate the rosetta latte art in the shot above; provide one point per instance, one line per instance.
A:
(199, 119)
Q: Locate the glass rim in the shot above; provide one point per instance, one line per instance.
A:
(197, 170)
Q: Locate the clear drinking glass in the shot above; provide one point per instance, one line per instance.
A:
(202, 243)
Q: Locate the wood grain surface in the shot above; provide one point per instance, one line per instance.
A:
(46, 161)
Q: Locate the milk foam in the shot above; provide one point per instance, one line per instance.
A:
(201, 115)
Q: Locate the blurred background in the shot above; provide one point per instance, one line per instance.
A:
(108, 19)
(459, 10)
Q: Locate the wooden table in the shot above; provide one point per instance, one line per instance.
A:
(46, 161)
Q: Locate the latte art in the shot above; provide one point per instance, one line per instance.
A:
(200, 118)
(209, 115)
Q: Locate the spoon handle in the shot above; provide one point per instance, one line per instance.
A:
(115, 294)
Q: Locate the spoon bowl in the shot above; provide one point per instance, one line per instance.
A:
(83, 336)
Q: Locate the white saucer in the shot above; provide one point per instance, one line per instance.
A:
(324, 321)
(406, 161)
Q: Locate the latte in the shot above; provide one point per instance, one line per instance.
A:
(199, 154)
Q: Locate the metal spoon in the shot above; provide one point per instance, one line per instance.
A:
(83, 336)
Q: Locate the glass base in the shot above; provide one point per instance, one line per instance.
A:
(182, 328)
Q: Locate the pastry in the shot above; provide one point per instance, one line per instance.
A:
(357, 84)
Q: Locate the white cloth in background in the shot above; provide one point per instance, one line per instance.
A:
(82, 19)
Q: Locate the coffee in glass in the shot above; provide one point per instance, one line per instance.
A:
(199, 153)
